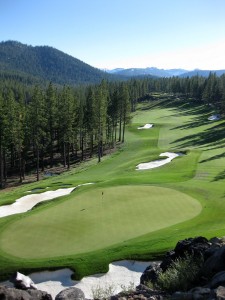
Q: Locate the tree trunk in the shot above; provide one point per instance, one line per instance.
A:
(124, 125)
(12, 156)
(64, 154)
(120, 129)
(23, 168)
(99, 151)
(82, 147)
(4, 165)
(42, 161)
(51, 153)
(20, 167)
(91, 145)
(68, 156)
(1, 166)
(37, 167)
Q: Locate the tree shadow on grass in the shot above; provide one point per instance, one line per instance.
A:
(186, 106)
(212, 136)
(220, 176)
(186, 110)
(219, 144)
(195, 122)
(199, 112)
(222, 155)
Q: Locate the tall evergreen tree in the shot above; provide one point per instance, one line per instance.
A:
(66, 116)
(50, 103)
(37, 123)
(100, 115)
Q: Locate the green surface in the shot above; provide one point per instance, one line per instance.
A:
(86, 230)
(97, 219)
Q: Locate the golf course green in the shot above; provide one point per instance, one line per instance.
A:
(125, 213)
(97, 219)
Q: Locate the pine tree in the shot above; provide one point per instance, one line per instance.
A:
(66, 117)
(50, 103)
(37, 123)
(100, 115)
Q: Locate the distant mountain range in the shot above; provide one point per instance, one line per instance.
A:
(43, 63)
(133, 72)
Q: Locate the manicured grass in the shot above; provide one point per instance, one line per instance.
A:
(141, 214)
(97, 219)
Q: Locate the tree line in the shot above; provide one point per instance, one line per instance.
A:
(206, 90)
(41, 127)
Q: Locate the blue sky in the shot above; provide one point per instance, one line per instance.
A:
(122, 33)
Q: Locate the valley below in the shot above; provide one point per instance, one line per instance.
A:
(125, 214)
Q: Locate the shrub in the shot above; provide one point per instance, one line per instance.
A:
(105, 292)
(181, 274)
(127, 289)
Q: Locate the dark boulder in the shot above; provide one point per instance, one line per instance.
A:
(71, 293)
(197, 293)
(7, 293)
(217, 280)
(215, 263)
(192, 246)
(150, 274)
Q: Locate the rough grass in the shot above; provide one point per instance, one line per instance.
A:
(199, 175)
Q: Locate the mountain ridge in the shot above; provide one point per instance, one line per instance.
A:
(39, 64)
(153, 71)
(47, 63)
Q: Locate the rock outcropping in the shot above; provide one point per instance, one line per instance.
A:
(71, 293)
(209, 284)
(7, 293)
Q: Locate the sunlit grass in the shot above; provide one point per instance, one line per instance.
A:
(130, 231)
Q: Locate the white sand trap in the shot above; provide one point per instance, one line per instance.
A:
(25, 203)
(214, 118)
(121, 274)
(158, 163)
(146, 126)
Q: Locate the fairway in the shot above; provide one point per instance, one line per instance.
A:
(125, 213)
(97, 219)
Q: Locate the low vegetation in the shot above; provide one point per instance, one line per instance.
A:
(181, 274)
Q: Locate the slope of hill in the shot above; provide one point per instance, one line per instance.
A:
(47, 63)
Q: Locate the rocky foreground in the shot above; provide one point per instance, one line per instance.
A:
(209, 284)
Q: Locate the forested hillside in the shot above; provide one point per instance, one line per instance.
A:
(42, 127)
(46, 63)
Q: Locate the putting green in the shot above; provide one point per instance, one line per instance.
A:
(95, 219)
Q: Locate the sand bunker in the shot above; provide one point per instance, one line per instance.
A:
(25, 203)
(121, 275)
(146, 126)
(158, 163)
(214, 117)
